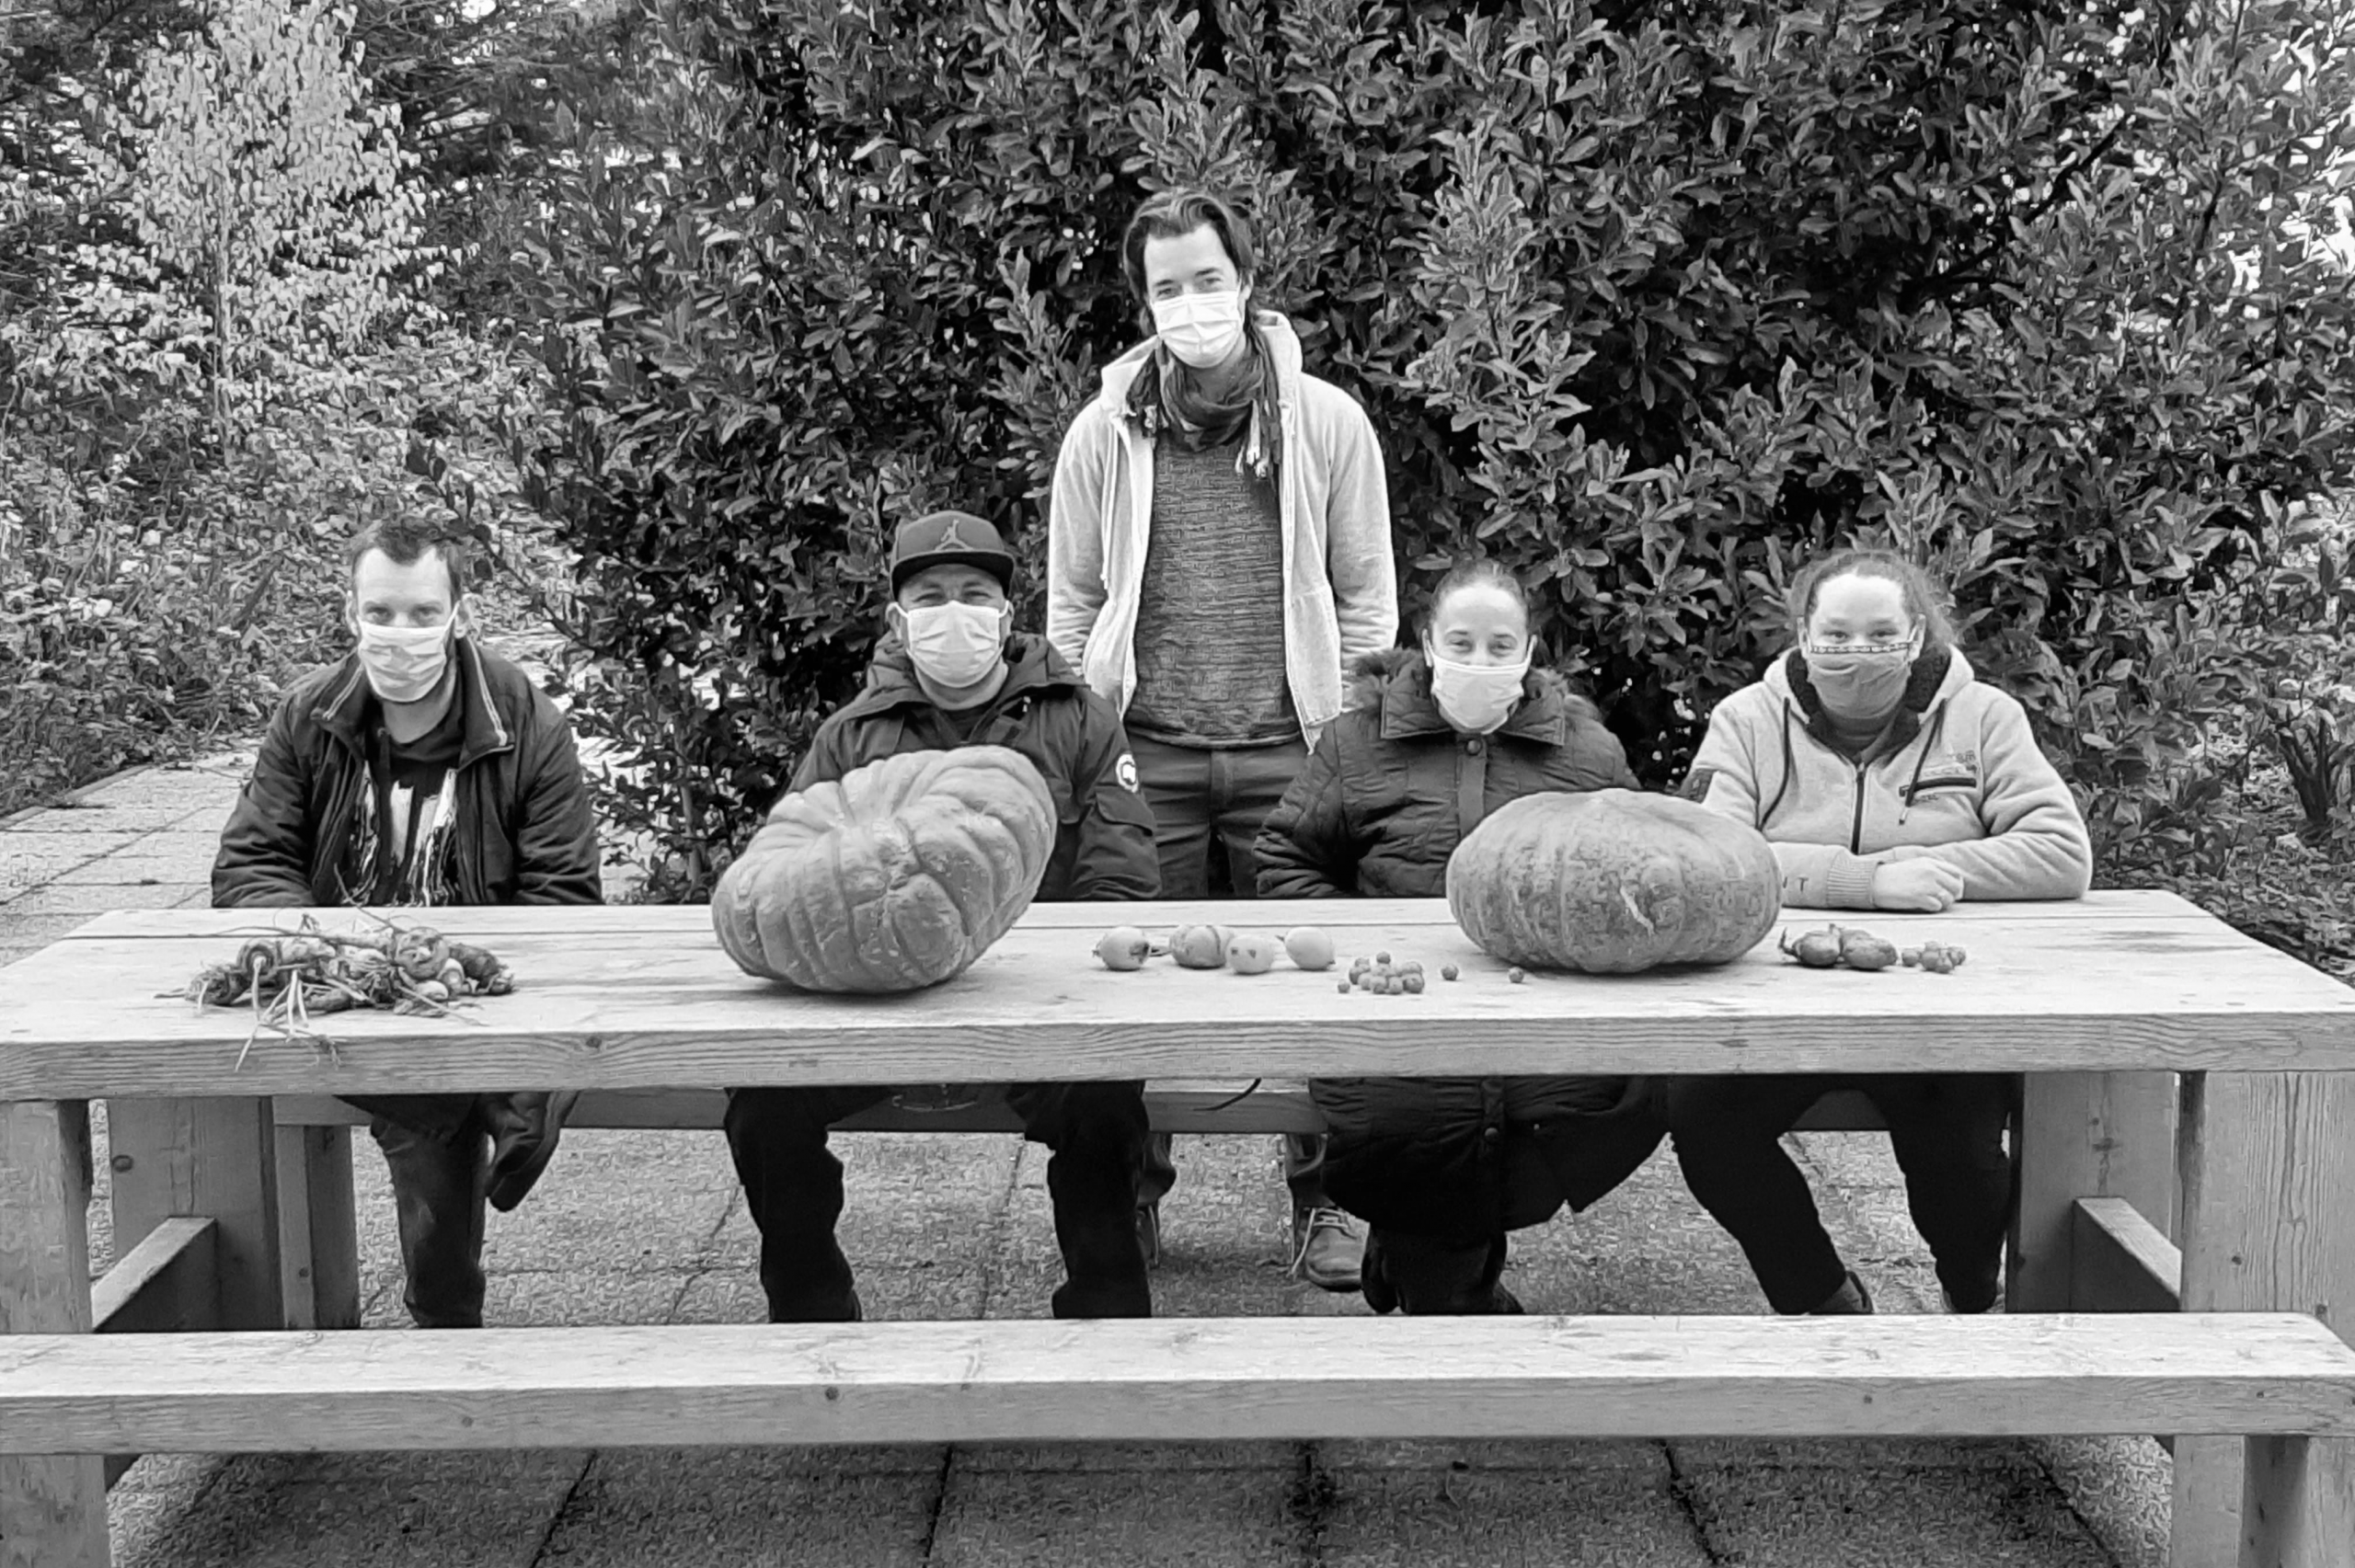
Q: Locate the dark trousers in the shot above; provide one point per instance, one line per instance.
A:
(1946, 1130)
(437, 1148)
(1434, 1275)
(1207, 808)
(793, 1185)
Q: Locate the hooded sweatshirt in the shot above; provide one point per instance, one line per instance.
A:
(1341, 590)
(1967, 785)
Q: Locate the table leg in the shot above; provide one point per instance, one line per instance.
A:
(54, 1508)
(318, 1232)
(2086, 1135)
(2269, 1168)
(210, 1159)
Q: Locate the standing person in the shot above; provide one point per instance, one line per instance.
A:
(1888, 777)
(423, 770)
(1433, 742)
(1219, 547)
(954, 672)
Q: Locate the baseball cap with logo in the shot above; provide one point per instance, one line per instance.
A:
(944, 538)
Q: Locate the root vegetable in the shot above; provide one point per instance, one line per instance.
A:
(1816, 949)
(1251, 955)
(1199, 947)
(1863, 950)
(1308, 947)
(1123, 947)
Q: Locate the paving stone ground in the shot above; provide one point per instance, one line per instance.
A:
(648, 1227)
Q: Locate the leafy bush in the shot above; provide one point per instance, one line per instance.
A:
(1648, 300)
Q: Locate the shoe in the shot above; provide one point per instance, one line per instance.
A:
(1994, 1302)
(523, 1131)
(1149, 1233)
(1328, 1251)
(1851, 1300)
(1503, 1302)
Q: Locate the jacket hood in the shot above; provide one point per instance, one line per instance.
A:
(492, 692)
(1031, 665)
(1275, 330)
(1394, 687)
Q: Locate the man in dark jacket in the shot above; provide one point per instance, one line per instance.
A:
(422, 770)
(953, 674)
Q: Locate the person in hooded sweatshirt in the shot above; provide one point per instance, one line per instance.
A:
(1432, 742)
(1886, 777)
(1219, 551)
(953, 673)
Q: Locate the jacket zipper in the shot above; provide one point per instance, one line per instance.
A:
(1856, 831)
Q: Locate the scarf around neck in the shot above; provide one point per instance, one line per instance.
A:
(1166, 400)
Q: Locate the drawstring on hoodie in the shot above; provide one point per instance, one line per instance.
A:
(1925, 744)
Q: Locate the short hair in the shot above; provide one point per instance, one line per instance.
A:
(1173, 214)
(1475, 571)
(405, 542)
(1922, 598)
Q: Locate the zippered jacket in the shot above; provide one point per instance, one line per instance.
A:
(1103, 827)
(1340, 587)
(520, 828)
(1969, 785)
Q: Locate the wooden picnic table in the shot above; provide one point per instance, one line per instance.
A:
(2102, 1002)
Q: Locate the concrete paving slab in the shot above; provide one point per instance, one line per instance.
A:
(459, 1510)
(1232, 1518)
(1868, 1504)
(86, 900)
(136, 862)
(109, 818)
(2119, 1487)
(30, 861)
(750, 1508)
(1614, 1507)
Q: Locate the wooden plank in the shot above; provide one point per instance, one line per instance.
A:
(52, 1505)
(210, 1158)
(1199, 1379)
(638, 1014)
(669, 922)
(2085, 1135)
(2297, 1510)
(2123, 1263)
(325, 1172)
(1279, 1108)
(165, 1285)
(2266, 1226)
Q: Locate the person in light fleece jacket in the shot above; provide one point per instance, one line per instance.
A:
(1886, 777)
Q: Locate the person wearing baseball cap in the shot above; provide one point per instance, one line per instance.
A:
(953, 671)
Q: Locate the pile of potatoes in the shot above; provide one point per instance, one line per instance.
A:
(1849, 947)
(1216, 947)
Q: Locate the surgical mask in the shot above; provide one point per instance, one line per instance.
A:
(405, 663)
(1200, 329)
(1475, 698)
(954, 645)
(1861, 684)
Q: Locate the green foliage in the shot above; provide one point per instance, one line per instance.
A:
(1648, 305)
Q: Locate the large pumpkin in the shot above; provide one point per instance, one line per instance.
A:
(894, 877)
(1611, 881)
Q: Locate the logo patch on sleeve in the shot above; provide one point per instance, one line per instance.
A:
(1126, 772)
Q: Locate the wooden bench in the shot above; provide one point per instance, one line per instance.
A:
(2094, 1003)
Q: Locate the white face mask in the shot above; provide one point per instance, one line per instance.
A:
(1475, 698)
(1200, 329)
(954, 645)
(405, 663)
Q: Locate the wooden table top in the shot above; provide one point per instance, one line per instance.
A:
(642, 997)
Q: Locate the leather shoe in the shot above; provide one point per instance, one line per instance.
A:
(1328, 1250)
(523, 1131)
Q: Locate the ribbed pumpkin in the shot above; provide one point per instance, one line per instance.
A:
(1611, 881)
(895, 876)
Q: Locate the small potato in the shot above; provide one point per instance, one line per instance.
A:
(432, 991)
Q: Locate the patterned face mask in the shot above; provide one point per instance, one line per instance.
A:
(1862, 683)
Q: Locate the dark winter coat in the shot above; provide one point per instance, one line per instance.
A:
(1391, 788)
(1104, 836)
(523, 832)
(1388, 793)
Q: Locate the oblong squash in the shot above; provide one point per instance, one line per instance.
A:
(1613, 881)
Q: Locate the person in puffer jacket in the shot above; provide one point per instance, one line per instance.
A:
(1432, 742)
(1886, 777)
